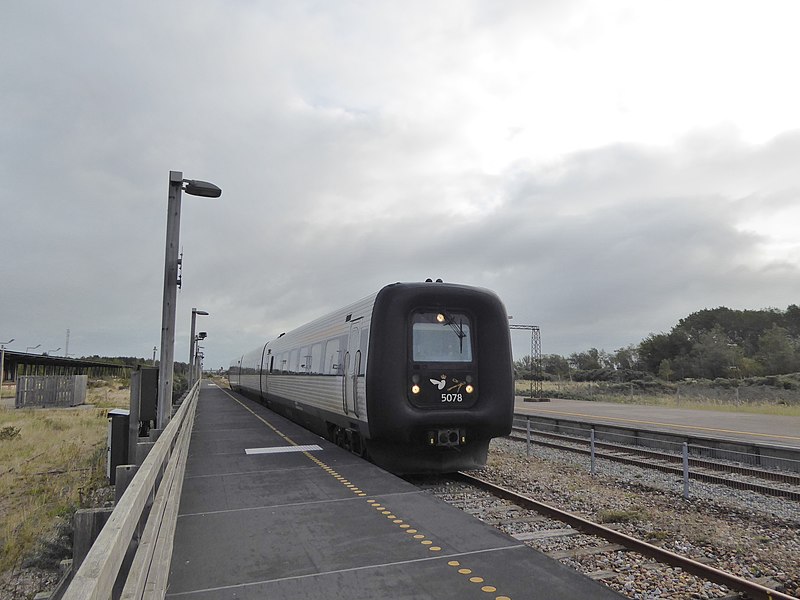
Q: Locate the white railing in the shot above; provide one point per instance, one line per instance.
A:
(147, 577)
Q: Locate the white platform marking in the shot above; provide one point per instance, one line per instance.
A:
(278, 449)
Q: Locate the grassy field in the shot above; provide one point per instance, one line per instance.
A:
(52, 462)
(691, 397)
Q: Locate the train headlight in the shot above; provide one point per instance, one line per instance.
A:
(440, 318)
(415, 389)
(469, 389)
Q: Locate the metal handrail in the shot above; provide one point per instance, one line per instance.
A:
(97, 574)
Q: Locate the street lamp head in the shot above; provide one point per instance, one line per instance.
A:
(199, 312)
(195, 187)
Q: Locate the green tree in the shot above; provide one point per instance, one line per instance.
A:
(585, 361)
(714, 354)
(524, 367)
(658, 346)
(665, 370)
(625, 358)
(777, 352)
(555, 364)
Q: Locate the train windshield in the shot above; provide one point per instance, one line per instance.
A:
(441, 337)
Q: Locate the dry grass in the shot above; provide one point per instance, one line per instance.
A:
(52, 459)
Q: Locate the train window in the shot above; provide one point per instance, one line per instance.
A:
(305, 360)
(294, 361)
(316, 359)
(334, 355)
(441, 337)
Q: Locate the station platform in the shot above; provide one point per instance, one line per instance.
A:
(271, 510)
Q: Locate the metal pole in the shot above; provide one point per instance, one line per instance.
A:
(592, 447)
(192, 357)
(195, 363)
(528, 434)
(686, 470)
(134, 415)
(166, 368)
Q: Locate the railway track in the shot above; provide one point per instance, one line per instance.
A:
(615, 541)
(700, 469)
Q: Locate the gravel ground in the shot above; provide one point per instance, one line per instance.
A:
(750, 535)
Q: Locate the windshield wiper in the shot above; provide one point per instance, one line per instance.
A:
(459, 331)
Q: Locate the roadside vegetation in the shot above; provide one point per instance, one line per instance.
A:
(702, 395)
(746, 360)
(53, 462)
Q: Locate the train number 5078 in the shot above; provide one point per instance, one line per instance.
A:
(452, 398)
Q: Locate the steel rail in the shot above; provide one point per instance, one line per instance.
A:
(705, 477)
(729, 580)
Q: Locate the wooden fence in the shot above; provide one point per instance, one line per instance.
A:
(147, 576)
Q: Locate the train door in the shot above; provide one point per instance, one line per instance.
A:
(352, 365)
(263, 370)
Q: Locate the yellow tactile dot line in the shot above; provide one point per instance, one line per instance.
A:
(406, 527)
(389, 515)
(489, 589)
(332, 472)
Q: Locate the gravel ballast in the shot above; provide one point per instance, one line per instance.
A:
(753, 536)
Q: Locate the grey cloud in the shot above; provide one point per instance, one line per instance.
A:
(339, 177)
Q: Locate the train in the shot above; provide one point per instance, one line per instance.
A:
(417, 377)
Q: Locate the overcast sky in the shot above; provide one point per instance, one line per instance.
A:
(606, 167)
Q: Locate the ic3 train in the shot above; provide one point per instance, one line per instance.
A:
(417, 376)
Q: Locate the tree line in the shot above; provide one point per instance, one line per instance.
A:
(708, 344)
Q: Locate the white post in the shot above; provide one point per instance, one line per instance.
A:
(166, 367)
(592, 451)
(528, 434)
(686, 470)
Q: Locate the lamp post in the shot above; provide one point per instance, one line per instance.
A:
(198, 357)
(171, 262)
(29, 348)
(2, 361)
(198, 338)
(192, 340)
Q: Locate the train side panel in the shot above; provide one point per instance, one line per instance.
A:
(306, 373)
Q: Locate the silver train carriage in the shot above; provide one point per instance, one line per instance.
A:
(417, 376)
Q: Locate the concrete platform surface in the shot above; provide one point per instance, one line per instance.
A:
(298, 517)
